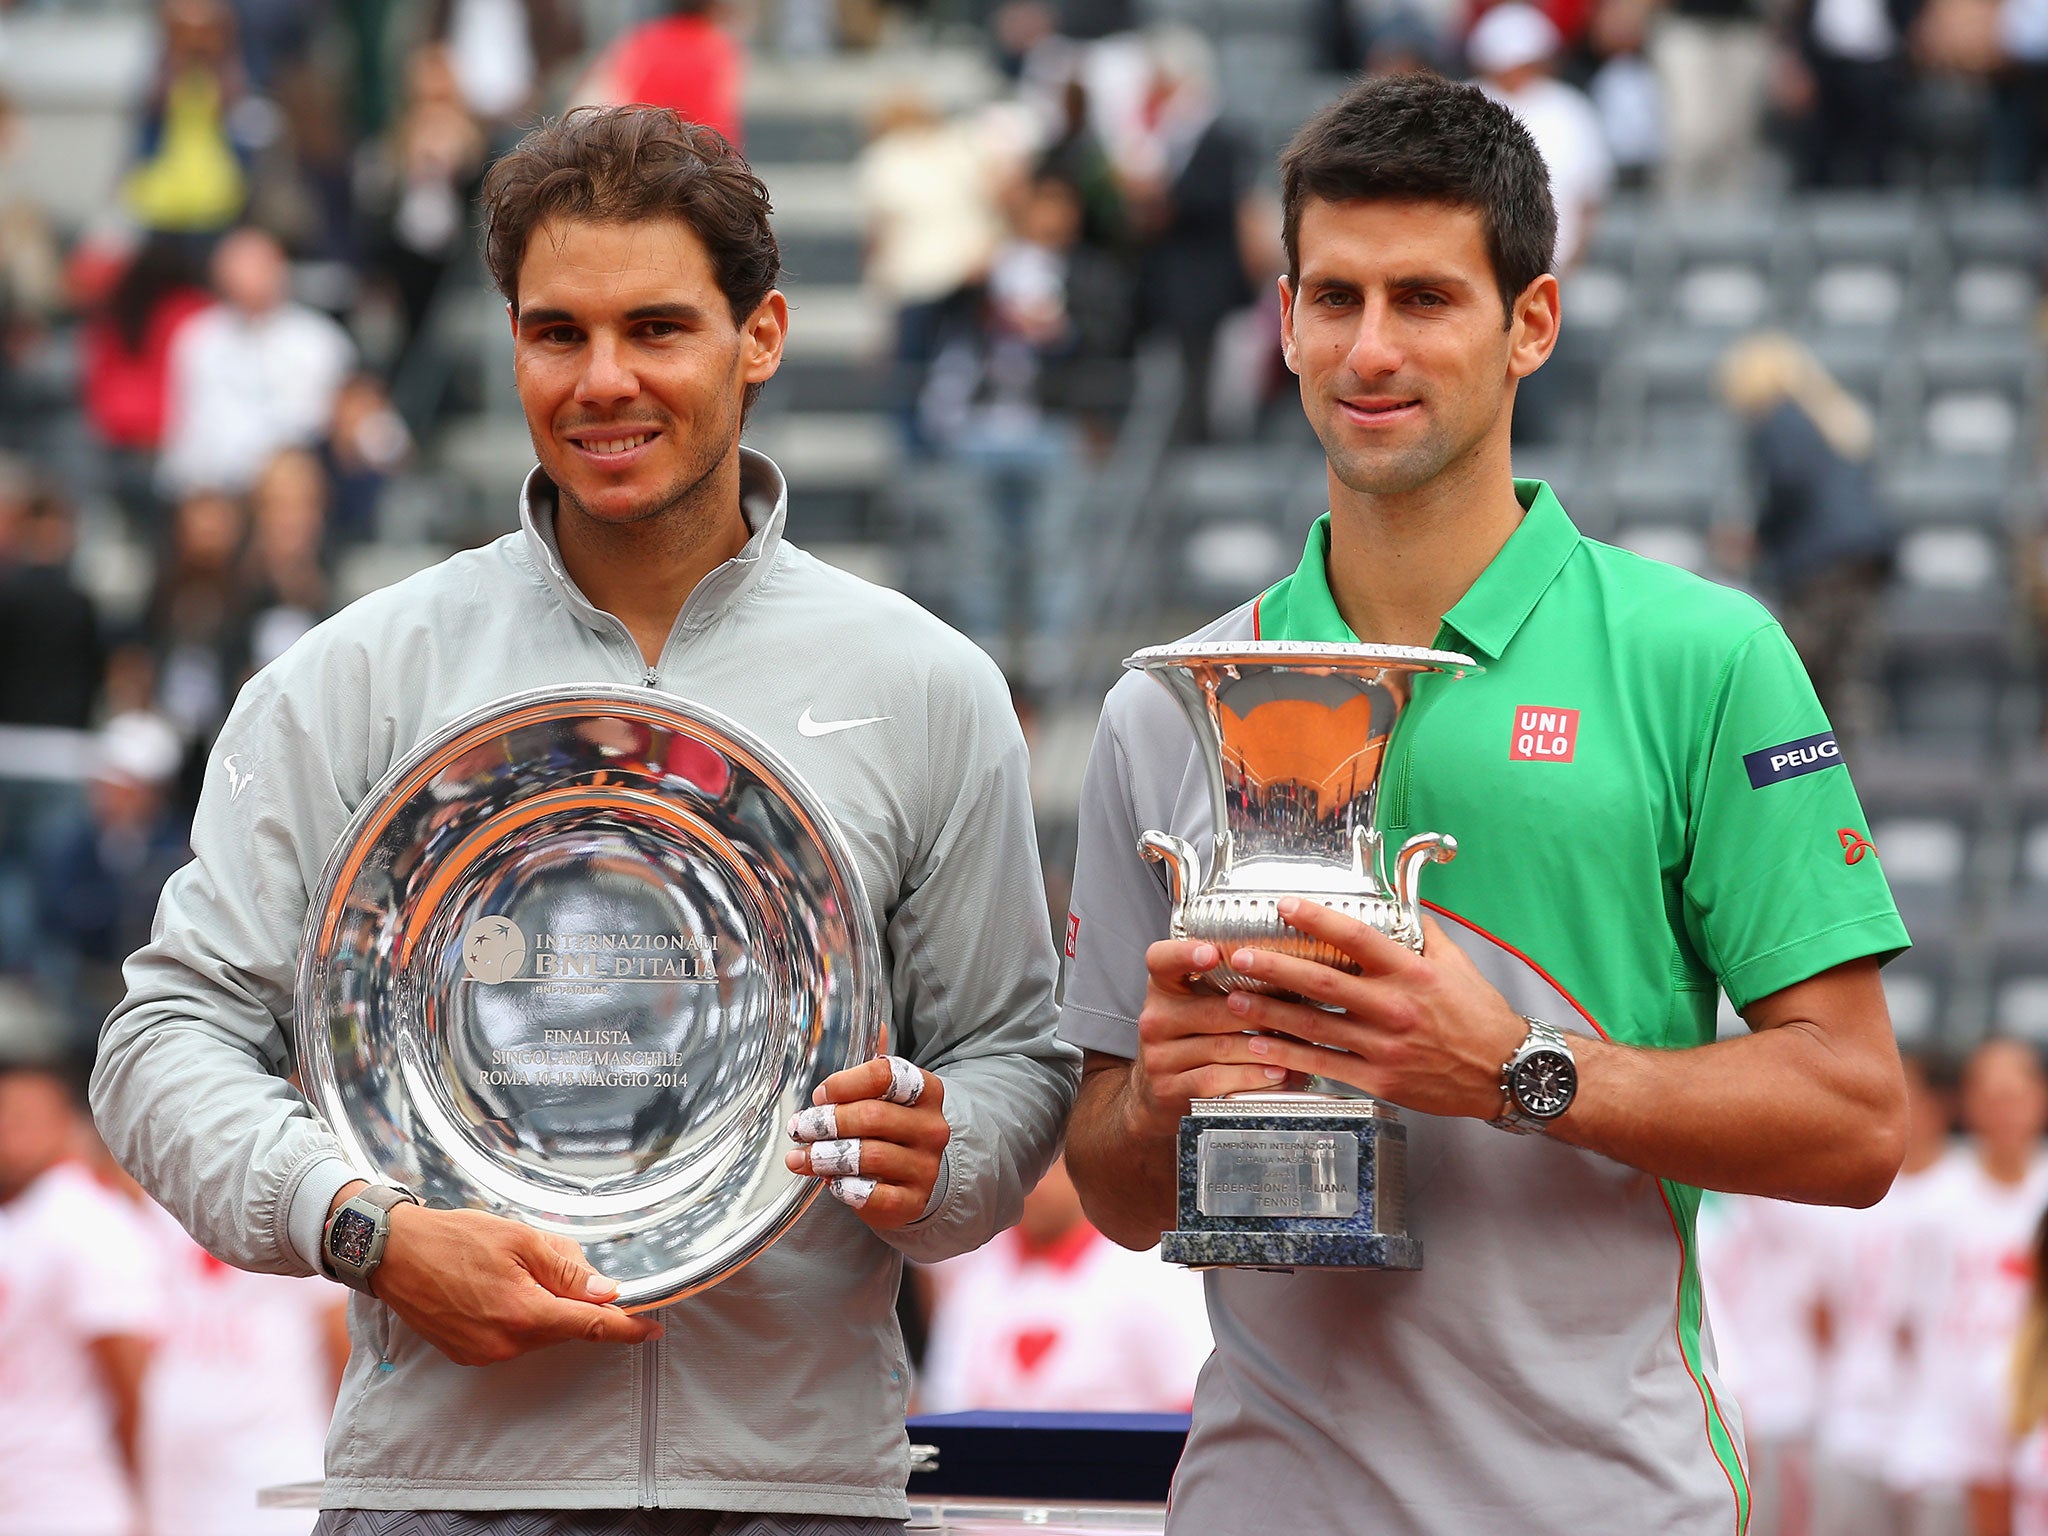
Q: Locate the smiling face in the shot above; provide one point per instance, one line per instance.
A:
(1396, 330)
(631, 368)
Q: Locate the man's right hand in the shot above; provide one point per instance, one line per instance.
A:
(1190, 1045)
(482, 1289)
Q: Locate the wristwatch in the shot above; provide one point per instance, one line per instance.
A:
(1538, 1082)
(352, 1246)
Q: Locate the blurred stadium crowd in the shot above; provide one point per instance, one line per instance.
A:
(250, 369)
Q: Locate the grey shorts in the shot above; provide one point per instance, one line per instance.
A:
(589, 1522)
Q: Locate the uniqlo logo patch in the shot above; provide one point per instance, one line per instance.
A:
(1073, 932)
(1544, 735)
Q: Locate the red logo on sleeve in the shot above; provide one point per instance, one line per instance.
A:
(1544, 735)
(1854, 846)
(1073, 932)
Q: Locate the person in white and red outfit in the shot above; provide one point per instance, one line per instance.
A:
(1864, 1300)
(1053, 1315)
(78, 1313)
(1761, 1265)
(1970, 1256)
(239, 1393)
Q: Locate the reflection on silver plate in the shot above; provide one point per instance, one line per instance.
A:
(577, 961)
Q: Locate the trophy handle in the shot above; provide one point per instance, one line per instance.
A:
(1178, 855)
(1423, 848)
(1368, 860)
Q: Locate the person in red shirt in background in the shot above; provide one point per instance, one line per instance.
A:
(687, 59)
(135, 308)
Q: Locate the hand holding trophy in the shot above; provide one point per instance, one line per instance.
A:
(1293, 739)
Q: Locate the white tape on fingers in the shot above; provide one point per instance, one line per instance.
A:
(818, 1123)
(853, 1192)
(840, 1157)
(906, 1081)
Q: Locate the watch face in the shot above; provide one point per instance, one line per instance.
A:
(1545, 1082)
(349, 1237)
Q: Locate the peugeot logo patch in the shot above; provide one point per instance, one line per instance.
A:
(1809, 754)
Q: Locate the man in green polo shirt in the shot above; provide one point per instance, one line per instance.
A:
(1649, 807)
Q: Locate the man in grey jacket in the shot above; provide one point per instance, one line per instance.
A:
(638, 265)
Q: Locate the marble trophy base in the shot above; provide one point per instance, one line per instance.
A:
(1289, 1181)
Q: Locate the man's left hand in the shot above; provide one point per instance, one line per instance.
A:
(1426, 1031)
(881, 1153)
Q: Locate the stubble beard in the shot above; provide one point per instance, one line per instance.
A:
(674, 515)
(1396, 470)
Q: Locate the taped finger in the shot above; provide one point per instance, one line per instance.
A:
(818, 1123)
(852, 1192)
(906, 1082)
(835, 1157)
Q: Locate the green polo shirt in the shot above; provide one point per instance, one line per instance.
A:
(1647, 797)
(1648, 803)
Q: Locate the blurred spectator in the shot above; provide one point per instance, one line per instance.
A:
(1350, 36)
(1624, 91)
(1762, 1264)
(192, 620)
(1846, 75)
(931, 190)
(79, 1306)
(1514, 50)
(127, 342)
(1823, 547)
(1054, 310)
(190, 175)
(240, 1390)
(285, 591)
(51, 657)
(1053, 1315)
(1076, 154)
(1713, 61)
(2027, 1511)
(1967, 1290)
(503, 52)
(367, 443)
(687, 59)
(2019, 101)
(421, 191)
(100, 879)
(127, 353)
(1184, 182)
(1865, 1269)
(255, 373)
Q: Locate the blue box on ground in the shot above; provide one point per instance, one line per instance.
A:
(1067, 1457)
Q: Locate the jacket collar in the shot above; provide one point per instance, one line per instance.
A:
(1301, 606)
(764, 503)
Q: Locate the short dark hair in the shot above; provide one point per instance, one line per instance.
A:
(1421, 138)
(622, 165)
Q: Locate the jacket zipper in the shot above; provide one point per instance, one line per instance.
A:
(650, 1405)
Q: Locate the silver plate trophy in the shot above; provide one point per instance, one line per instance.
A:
(576, 961)
(1293, 738)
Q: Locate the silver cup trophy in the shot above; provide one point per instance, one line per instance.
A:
(1293, 738)
(577, 960)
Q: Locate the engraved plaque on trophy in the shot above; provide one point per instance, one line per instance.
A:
(1293, 738)
(577, 960)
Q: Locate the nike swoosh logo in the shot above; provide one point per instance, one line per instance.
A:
(809, 727)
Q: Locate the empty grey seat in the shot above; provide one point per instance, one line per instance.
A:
(2003, 359)
(1281, 487)
(1992, 227)
(776, 138)
(1888, 227)
(823, 256)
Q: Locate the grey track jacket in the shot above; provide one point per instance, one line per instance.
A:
(784, 1387)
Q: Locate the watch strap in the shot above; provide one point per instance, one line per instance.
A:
(1513, 1117)
(373, 1202)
